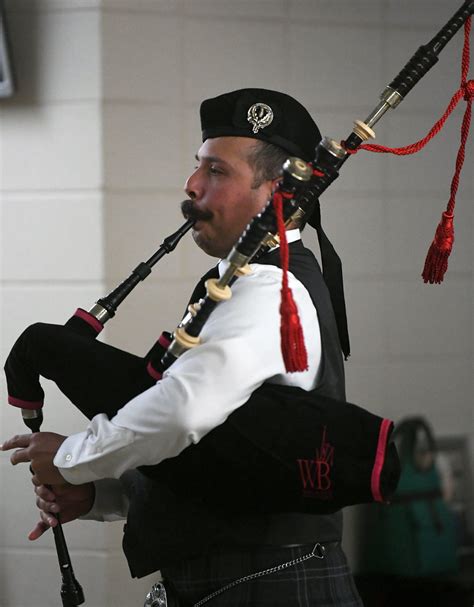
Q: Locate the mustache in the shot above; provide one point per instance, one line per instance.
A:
(190, 212)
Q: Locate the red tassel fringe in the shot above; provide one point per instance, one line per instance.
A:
(436, 263)
(291, 332)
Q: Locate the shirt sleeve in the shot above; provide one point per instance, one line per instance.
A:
(240, 350)
(110, 503)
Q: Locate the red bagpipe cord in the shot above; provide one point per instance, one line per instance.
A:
(436, 262)
(293, 347)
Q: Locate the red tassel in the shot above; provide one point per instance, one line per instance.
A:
(293, 347)
(436, 262)
(292, 339)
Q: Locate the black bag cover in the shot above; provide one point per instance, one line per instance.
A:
(284, 450)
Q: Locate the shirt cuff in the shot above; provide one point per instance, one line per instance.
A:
(94, 454)
(110, 504)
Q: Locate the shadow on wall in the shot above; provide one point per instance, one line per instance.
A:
(25, 56)
(421, 546)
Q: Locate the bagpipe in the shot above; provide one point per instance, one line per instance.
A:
(318, 454)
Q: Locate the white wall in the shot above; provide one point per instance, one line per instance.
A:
(95, 148)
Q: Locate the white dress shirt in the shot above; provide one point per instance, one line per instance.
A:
(240, 350)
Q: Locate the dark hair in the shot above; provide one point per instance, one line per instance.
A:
(266, 160)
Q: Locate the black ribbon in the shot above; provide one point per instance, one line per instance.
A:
(332, 273)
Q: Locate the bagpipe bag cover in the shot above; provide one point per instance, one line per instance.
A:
(285, 449)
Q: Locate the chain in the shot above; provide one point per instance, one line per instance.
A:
(318, 547)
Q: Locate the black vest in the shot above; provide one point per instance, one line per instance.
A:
(163, 529)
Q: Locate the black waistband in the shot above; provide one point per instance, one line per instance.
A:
(326, 545)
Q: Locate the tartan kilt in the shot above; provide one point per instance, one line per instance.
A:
(316, 582)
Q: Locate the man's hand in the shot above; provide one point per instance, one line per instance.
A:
(39, 449)
(70, 501)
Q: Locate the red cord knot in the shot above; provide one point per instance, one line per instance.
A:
(343, 144)
(444, 237)
(468, 88)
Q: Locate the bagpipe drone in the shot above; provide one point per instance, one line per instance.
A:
(273, 470)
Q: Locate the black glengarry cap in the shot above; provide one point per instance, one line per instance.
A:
(261, 114)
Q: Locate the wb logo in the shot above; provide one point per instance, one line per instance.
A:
(315, 473)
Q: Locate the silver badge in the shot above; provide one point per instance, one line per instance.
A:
(260, 115)
(156, 597)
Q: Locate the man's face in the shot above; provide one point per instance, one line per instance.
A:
(223, 199)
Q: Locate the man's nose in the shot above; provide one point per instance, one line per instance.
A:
(193, 187)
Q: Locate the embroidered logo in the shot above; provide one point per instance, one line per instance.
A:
(260, 115)
(315, 473)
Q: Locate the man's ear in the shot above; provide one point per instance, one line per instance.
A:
(275, 181)
(272, 184)
(269, 185)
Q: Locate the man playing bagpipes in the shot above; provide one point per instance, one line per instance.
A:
(199, 528)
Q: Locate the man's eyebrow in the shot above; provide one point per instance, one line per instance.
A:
(209, 159)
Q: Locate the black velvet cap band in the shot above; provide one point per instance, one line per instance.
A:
(261, 114)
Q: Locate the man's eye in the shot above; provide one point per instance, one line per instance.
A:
(214, 170)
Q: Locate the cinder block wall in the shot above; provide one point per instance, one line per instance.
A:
(95, 148)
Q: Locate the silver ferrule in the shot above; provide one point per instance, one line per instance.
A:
(272, 240)
(185, 321)
(225, 279)
(333, 147)
(30, 413)
(297, 216)
(189, 315)
(390, 98)
(176, 349)
(236, 260)
(100, 313)
(297, 168)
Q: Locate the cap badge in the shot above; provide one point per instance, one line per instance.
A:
(260, 115)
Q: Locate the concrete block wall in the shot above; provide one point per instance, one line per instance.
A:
(96, 146)
(53, 260)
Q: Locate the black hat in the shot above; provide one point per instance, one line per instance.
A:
(261, 114)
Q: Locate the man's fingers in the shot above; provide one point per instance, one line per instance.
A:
(38, 531)
(46, 523)
(20, 456)
(61, 490)
(17, 441)
(48, 519)
(42, 526)
(45, 493)
(20, 442)
(47, 507)
(35, 481)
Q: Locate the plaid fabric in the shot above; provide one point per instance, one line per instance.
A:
(316, 582)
